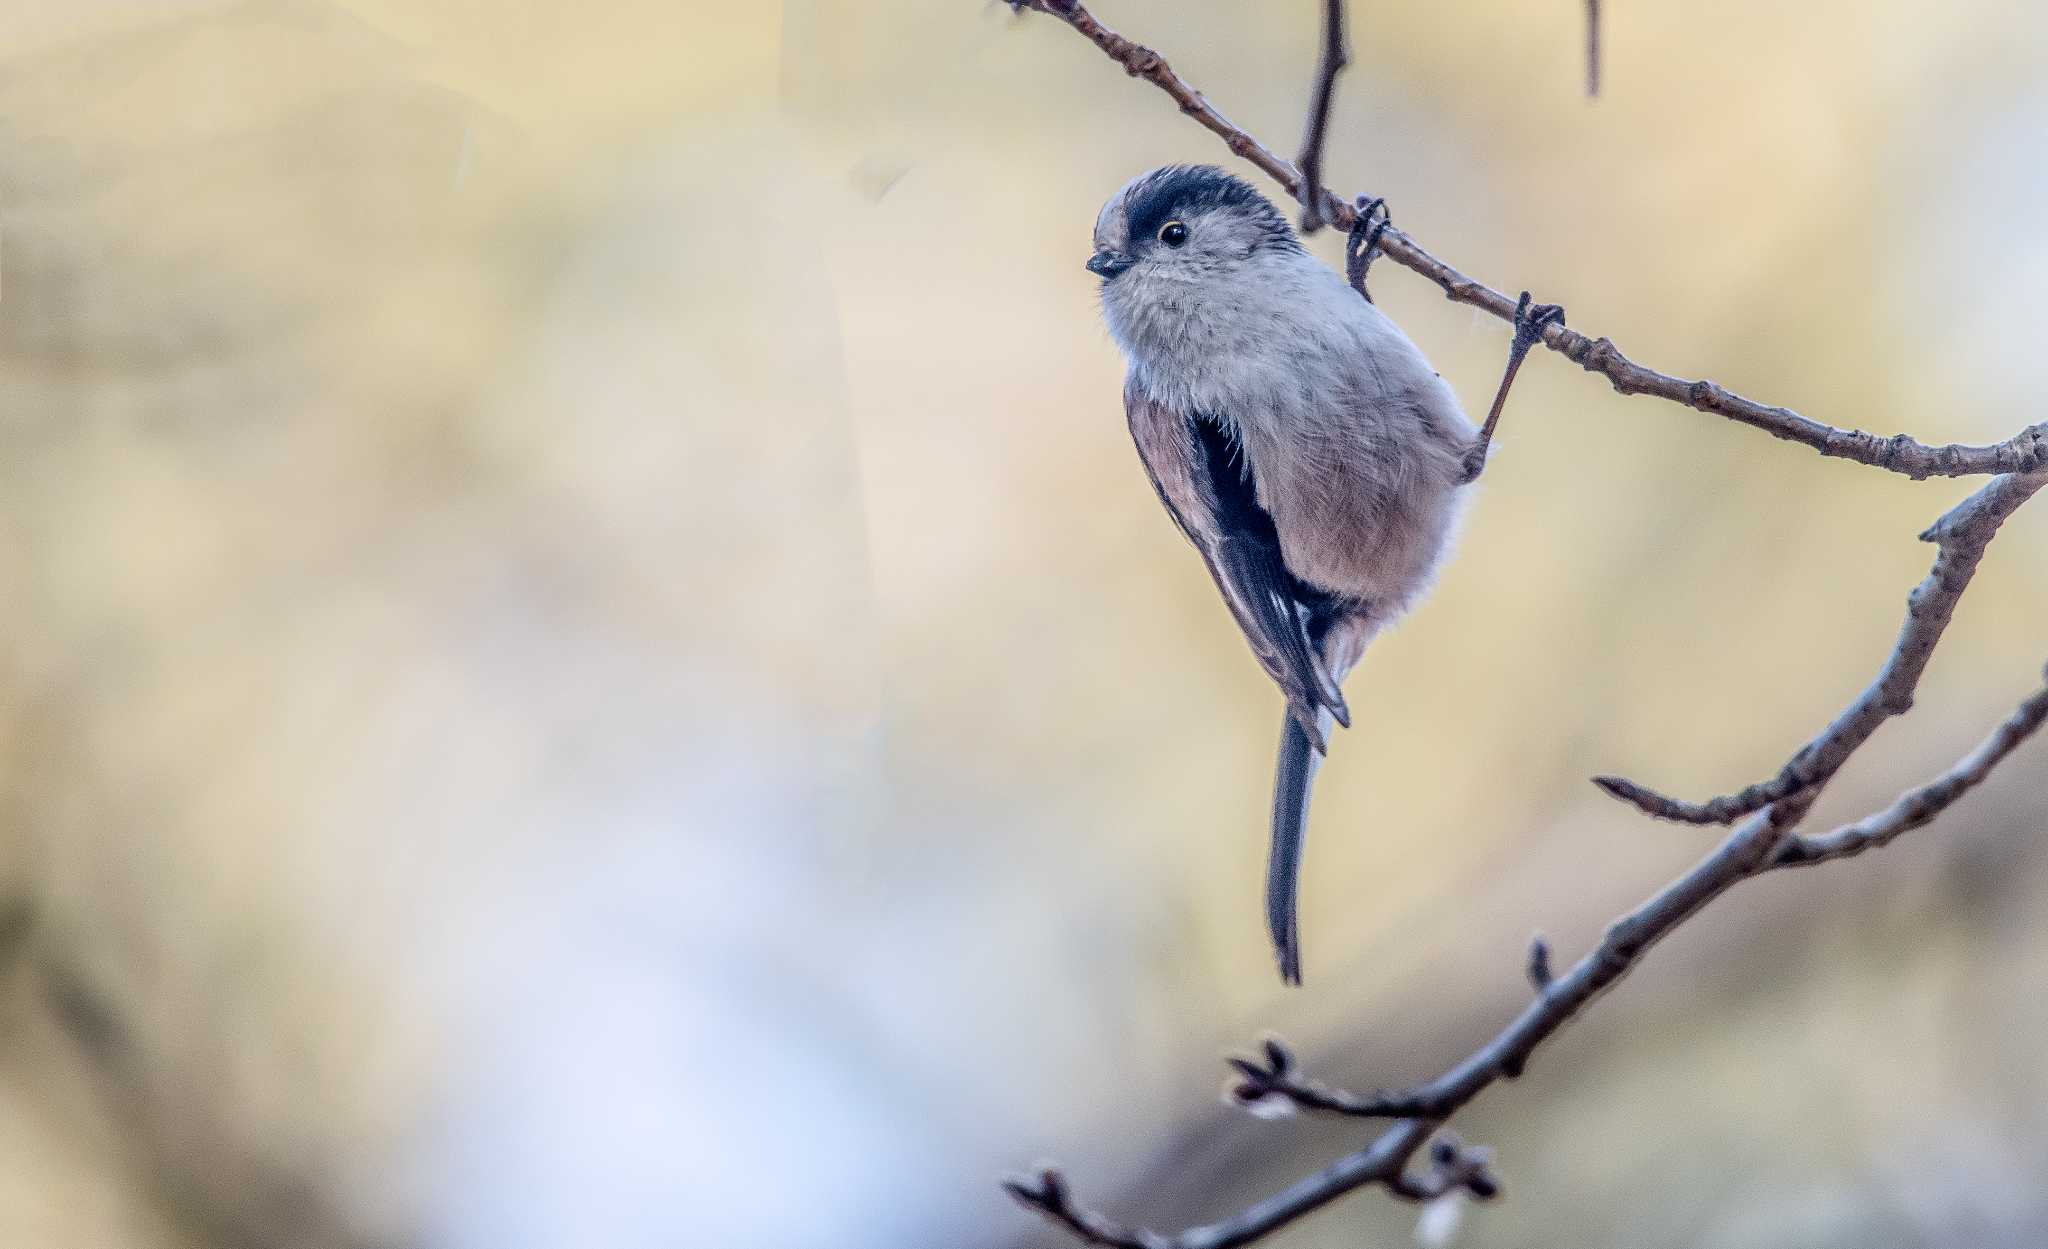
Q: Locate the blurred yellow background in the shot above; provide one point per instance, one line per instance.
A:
(588, 662)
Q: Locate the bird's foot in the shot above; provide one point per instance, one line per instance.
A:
(1530, 320)
(1364, 244)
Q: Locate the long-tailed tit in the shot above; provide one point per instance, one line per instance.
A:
(1298, 438)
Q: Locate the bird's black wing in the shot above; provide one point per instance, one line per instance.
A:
(1207, 485)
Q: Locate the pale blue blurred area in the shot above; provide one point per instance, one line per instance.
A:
(588, 662)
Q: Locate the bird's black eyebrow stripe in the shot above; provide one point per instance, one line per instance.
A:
(1180, 191)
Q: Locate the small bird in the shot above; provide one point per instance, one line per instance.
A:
(1299, 440)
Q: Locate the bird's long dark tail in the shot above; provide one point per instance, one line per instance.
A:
(1292, 780)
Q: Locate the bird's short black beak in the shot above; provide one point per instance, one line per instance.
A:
(1107, 265)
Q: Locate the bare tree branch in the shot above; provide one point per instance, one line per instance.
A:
(1384, 1162)
(1765, 841)
(1961, 536)
(1335, 58)
(2023, 453)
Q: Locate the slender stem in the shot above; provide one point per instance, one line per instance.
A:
(1592, 49)
(1316, 137)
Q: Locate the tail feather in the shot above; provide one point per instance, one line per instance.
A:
(1338, 641)
(1292, 780)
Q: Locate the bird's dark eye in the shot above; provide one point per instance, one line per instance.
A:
(1173, 233)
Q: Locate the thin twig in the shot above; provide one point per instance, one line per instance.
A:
(1539, 963)
(1592, 49)
(1961, 535)
(2024, 452)
(1916, 808)
(1316, 135)
(1275, 1078)
(1383, 1162)
(1453, 1167)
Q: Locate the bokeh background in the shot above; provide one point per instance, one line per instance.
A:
(585, 661)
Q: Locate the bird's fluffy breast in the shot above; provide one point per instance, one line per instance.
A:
(1354, 441)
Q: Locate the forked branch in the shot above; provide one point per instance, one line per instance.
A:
(1928, 612)
(1767, 840)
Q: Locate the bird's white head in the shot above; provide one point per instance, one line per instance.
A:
(1170, 233)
